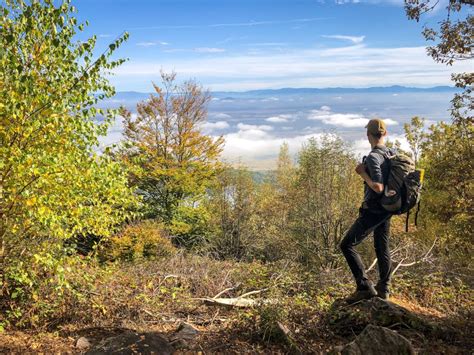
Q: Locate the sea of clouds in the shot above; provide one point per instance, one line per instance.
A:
(255, 126)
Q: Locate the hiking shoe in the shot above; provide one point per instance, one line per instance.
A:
(382, 292)
(360, 295)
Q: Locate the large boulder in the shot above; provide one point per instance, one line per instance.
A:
(375, 340)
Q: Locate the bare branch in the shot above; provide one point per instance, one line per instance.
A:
(222, 292)
(424, 258)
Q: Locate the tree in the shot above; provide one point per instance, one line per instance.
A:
(285, 172)
(232, 204)
(273, 202)
(171, 162)
(52, 183)
(448, 148)
(449, 185)
(325, 201)
(454, 39)
(414, 133)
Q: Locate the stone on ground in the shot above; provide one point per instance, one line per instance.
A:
(346, 319)
(184, 336)
(375, 340)
(130, 342)
(83, 343)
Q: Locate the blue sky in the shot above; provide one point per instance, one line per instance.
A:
(243, 44)
(239, 45)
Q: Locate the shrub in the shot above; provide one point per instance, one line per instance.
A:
(145, 239)
(46, 288)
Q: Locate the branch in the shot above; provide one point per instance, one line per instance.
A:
(253, 292)
(423, 259)
(239, 302)
(222, 292)
(392, 253)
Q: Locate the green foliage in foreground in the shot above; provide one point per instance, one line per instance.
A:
(448, 195)
(52, 183)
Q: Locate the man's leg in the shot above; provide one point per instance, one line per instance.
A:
(382, 249)
(357, 233)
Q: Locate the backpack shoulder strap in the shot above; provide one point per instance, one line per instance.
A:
(385, 153)
(387, 157)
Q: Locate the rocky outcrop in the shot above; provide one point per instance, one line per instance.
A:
(349, 319)
(375, 340)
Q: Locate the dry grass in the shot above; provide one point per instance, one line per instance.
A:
(161, 294)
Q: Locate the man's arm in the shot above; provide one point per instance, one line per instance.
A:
(376, 186)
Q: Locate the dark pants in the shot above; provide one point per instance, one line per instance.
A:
(362, 227)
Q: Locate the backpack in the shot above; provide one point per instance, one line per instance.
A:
(403, 186)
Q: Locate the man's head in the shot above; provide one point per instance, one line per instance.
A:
(376, 130)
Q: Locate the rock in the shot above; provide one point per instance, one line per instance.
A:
(346, 319)
(130, 342)
(376, 340)
(83, 343)
(184, 336)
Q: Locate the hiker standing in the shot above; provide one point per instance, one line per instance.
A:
(374, 171)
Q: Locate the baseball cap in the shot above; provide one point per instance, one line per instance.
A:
(376, 126)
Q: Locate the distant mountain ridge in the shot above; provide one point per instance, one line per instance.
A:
(342, 90)
(135, 95)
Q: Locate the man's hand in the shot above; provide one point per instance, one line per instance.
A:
(360, 168)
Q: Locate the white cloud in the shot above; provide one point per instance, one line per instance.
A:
(279, 118)
(361, 147)
(213, 126)
(249, 127)
(269, 99)
(353, 39)
(114, 133)
(152, 44)
(146, 44)
(339, 119)
(209, 50)
(352, 66)
(221, 116)
(259, 149)
(342, 119)
(236, 24)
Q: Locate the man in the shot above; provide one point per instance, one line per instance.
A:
(374, 171)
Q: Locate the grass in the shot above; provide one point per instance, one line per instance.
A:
(160, 294)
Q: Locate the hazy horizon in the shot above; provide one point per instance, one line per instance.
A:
(242, 45)
(255, 126)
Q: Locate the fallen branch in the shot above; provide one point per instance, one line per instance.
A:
(230, 302)
(288, 337)
(222, 292)
(424, 258)
(392, 253)
(239, 302)
(252, 293)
